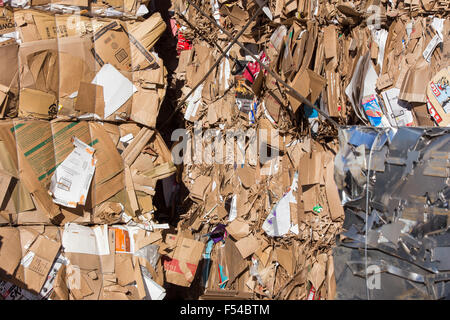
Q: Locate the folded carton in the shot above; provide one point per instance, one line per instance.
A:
(126, 46)
(438, 97)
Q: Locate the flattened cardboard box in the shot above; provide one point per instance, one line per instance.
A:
(59, 63)
(127, 46)
(38, 262)
(438, 95)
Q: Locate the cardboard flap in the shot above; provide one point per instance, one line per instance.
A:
(90, 99)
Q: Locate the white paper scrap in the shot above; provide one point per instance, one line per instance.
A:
(72, 178)
(193, 102)
(27, 259)
(278, 222)
(397, 111)
(233, 209)
(428, 52)
(117, 89)
(101, 235)
(82, 239)
(155, 291)
(79, 239)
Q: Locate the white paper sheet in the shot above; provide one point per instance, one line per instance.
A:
(380, 37)
(153, 289)
(117, 89)
(278, 222)
(233, 209)
(102, 238)
(70, 183)
(397, 111)
(81, 239)
(193, 102)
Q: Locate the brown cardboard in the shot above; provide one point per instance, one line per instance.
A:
(330, 41)
(422, 116)
(8, 61)
(37, 104)
(238, 229)
(39, 67)
(90, 99)
(124, 269)
(6, 21)
(289, 6)
(60, 290)
(3, 99)
(107, 180)
(38, 157)
(181, 267)
(247, 246)
(247, 176)
(10, 250)
(127, 47)
(28, 235)
(45, 251)
(234, 262)
(146, 33)
(331, 280)
(333, 93)
(135, 147)
(147, 100)
(108, 261)
(384, 81)
(334, 202)
(309, 84)
(199, 189)
(317, 274)
(413, 88)
(5, 181)
(310, 168)
(286, 259)
(75, 64)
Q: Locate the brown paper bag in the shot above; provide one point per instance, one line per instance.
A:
(181, 267)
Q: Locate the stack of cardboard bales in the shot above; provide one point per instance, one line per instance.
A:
(270, 224)
(80, 155)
